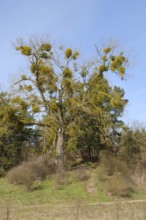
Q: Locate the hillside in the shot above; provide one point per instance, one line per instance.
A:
(78, 195)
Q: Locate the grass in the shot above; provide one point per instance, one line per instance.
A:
(102, 197)
(44, 199)
(46, 193)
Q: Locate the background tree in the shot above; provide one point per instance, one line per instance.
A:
(132, 144)
(16, 140)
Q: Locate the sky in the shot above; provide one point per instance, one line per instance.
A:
(80, 24)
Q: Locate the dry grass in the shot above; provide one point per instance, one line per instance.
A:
(76, 211)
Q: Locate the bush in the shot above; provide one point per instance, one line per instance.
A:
(112, 164)
(39, 169)
(29, 172)
(118, 185)
(22, 175)
(115, 174)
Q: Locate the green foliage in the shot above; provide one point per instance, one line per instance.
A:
(104, 58)
(75, 55)
(118, 64)
(53, 105)
(35, 108)
(68, 53)
(17, 140)
(33, 67)
(107, 50)
(67, 83)
(121, 70)
(67, 73)
(45, 47)
(28, 88)
(102, 69)
(84, 71)
(25, 50)
(23, 77)
(44, 55)
(45, 70)
(132, 144)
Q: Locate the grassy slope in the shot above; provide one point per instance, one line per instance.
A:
(46, 192)
(47, 200)
(71, 202)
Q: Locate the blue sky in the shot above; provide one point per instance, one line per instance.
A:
(80, 24)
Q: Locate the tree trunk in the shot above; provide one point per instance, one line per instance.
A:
(59, 148)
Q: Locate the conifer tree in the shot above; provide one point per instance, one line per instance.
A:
(16, 139)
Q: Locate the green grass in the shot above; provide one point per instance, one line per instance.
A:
(101, 196)
(46, 193)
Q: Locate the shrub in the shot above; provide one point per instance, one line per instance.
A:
(22, 175)
(112, 164)
(118, 185)
(29, 172)
(115, 174)
(39, 169)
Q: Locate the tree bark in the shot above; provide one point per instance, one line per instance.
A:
(59, 149)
